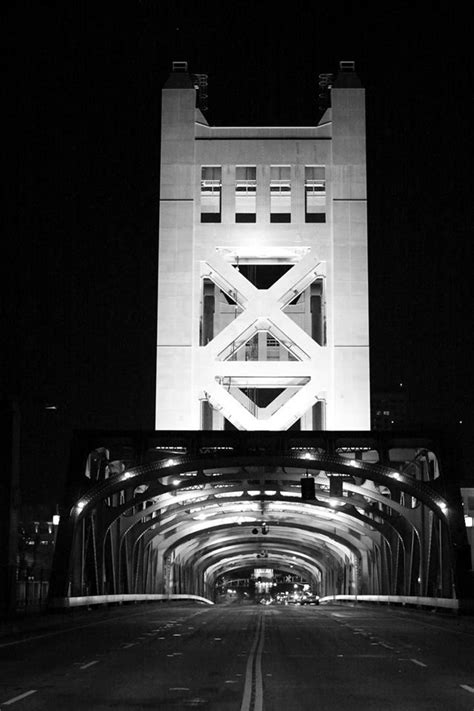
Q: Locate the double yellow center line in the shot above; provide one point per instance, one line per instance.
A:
(252, 699)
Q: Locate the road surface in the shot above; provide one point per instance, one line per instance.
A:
(242, 658)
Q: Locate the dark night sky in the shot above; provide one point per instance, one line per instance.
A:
(81, 239)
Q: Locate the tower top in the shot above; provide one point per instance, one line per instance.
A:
(346, 77)
(179, 77)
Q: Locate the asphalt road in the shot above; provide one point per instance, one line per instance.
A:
(243, 658)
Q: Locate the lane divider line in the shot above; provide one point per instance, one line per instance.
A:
(245, 706)
(89, 664)
(258, 703)
(420, 664)
(467, 688)
(253, 672)
(18, 698)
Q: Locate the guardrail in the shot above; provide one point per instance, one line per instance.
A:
(444, 602)
(88, 600)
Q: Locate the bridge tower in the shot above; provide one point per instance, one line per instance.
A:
(263, 284)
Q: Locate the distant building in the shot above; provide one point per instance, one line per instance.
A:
(36, 542)
(263, 284)
(36, 549)
(390, 410)
(467, 494)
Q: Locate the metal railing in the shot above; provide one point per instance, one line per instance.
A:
(438, 602)
(89, 600)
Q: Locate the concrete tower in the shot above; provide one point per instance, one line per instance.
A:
(263, 284)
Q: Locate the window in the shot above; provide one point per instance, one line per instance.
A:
(280, 193)
(318, 312)
(272, 341)
(211, 187)
(315, 194)
(245, 194)
(273, 348)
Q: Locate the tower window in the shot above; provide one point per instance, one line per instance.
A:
(280, 193)
(315, 194)
(245, 194)
(211, 189)
(273, 348)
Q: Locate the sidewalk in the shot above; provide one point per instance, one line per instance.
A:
(25, 625)
(47, 620)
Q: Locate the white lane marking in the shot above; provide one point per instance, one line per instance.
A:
(89, 664)
(130, 644)
(364, 656)
(217, 639)
(178, 688)
(420, 664)
(387, 646)
(176, 635)
(18, 698)
(467, 688)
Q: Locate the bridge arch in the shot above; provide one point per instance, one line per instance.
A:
(174, 517)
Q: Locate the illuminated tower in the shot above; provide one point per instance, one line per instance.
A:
(263, 284)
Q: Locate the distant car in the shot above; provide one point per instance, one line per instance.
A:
(310, 600)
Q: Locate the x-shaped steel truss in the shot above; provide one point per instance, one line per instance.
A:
(305, 379)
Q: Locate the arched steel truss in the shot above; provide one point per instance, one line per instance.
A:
(173, 519)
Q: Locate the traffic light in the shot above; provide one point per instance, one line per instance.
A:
(307, 488)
